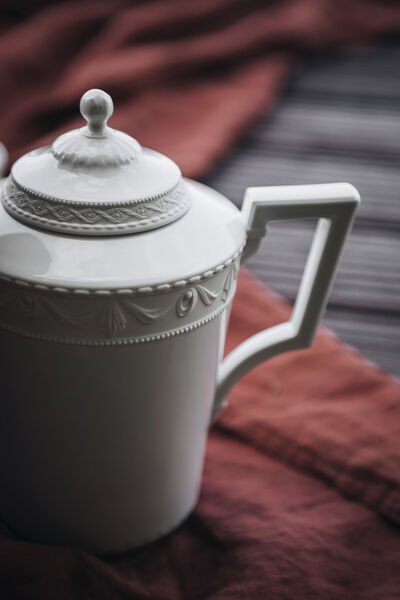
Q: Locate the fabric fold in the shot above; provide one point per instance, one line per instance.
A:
(188, 78)
(325, 410)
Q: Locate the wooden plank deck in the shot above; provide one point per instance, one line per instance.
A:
(339, 120)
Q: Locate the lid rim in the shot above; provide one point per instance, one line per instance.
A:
(56, 200)
(95, 218)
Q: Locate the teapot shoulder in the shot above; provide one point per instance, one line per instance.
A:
(204, 239)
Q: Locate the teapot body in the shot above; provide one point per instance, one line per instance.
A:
(107, 393)
(104, 444)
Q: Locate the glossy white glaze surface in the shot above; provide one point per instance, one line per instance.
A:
(150, 174)
(96, 163)
(207, 235)
(95, 181)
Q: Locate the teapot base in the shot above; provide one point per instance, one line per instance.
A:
(109, 553)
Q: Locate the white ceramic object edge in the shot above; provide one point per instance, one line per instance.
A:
(334, 205)
(95, 181)
(3, 158)
(133, 473)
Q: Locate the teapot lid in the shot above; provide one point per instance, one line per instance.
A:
(95, 180)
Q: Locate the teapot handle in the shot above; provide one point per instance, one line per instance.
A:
(334, 204)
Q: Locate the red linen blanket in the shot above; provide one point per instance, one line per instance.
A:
(300, 495)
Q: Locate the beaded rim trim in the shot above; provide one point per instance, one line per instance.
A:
(94, 218)
(144, 290)
(120, 342)
(54, 200)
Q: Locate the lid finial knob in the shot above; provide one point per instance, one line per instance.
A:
(96, 107)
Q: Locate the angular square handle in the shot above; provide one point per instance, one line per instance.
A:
(334, 204)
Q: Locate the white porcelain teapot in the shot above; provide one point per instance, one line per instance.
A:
(116, 276)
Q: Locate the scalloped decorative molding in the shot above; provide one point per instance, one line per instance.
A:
(117, 318)
(96, 144)
(188, 300)
(113, 149)
(94, 217)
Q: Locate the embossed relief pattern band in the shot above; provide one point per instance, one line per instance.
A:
(115, 318)
(94, 218)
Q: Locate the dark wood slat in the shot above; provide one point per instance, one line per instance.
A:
(379, 185)
(369, 74)
(339, 121)
(351, 128)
